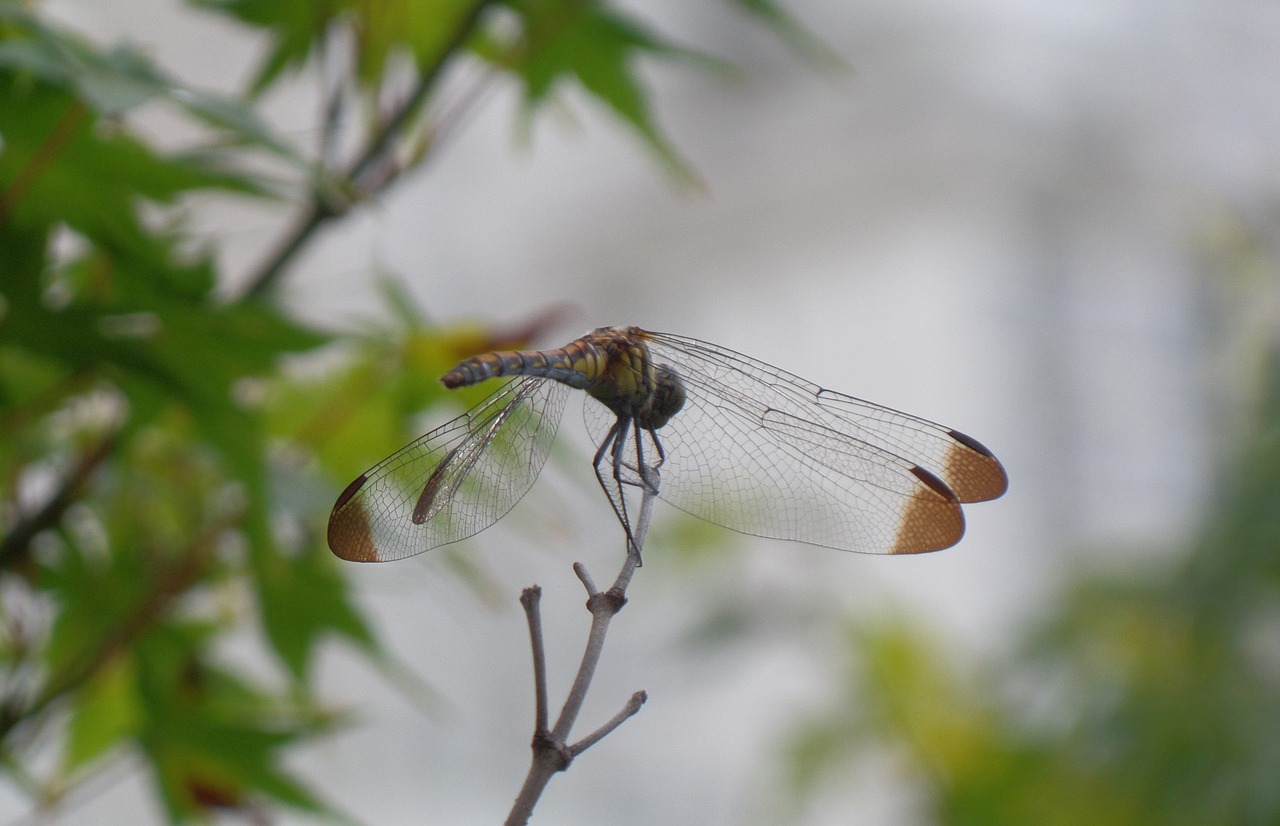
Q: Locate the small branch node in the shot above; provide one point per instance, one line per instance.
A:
(530, 597)
(610, 601)
(546, 747)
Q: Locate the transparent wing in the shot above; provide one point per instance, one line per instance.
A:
(453, 482)
(765, 452)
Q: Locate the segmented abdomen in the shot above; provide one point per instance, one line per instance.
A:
(577, 364)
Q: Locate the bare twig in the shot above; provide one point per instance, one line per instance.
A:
(551, 751)
(581, 571)
(530, 599)
(632, 706)
(333, 75)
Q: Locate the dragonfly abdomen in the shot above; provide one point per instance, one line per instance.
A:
(577, 365)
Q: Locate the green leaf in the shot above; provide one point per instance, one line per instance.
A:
(303, 598)
(204, 764)
(296, 27)
(598, 48)
(58, 168)
(212, 739)
(116, 81)
(104, 712)
(299, 29)
(420, 27)
(88, 614)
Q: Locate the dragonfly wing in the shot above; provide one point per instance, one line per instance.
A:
(960, 461)
(453, 482)
(765, 452)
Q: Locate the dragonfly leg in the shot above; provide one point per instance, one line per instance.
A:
(648, 472)
(644, 471)
(620, 449)
(615, 444)
(641, 474)
(605, 444)
(657, 443)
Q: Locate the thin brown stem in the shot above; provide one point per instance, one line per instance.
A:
(30, 173)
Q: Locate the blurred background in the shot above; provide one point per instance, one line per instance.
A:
(1051, 226)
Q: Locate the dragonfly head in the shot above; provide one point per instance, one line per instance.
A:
(668, 398)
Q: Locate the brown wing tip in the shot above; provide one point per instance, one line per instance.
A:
(349, 534)
(974, 473)
(933, 519)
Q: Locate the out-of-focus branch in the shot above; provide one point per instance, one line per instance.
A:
(376, 153)
(167, 587)
(14, 546)
(63, 131)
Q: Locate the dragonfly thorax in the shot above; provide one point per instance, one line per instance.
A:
(629, 382)
(650, 403)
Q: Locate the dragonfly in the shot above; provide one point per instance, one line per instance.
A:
(718, 434)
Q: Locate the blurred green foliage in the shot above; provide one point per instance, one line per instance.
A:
(1146, 698)
(164, 475)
